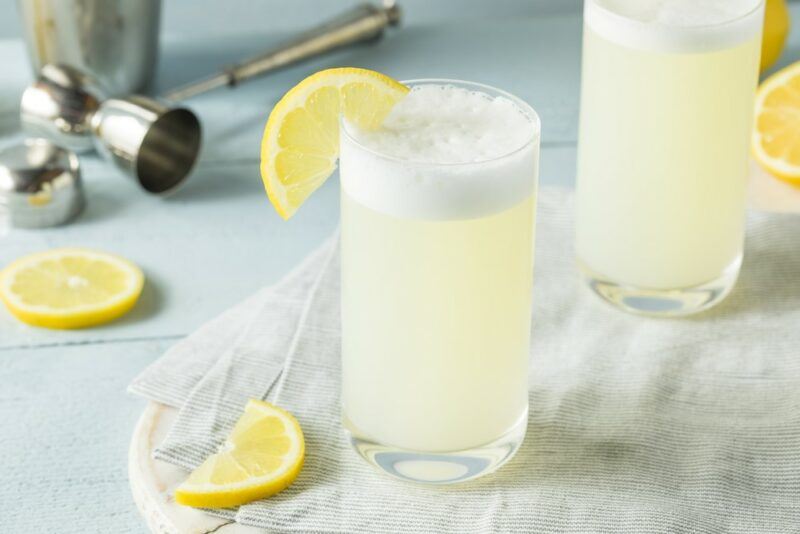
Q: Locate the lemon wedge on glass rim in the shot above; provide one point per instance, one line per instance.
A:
(70, 287)
(300, 145)
(262, 455)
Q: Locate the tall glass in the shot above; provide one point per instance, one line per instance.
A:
(666, 112)
(436, 300)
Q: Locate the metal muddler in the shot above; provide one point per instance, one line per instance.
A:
(153, 141)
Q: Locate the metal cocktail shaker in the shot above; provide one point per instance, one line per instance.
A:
(116, 41)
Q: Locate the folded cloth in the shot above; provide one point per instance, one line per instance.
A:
(636, 424)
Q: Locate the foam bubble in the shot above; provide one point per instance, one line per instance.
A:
(449, 125)
(676, 25)
(444, 152)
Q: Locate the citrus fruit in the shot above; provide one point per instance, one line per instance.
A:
(776, 135)
(70, 288)
(262, 455)
(776, 29)
(301, 139)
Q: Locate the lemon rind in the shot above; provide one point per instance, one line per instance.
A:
(79, 316)
(300, 93)
(212, 495)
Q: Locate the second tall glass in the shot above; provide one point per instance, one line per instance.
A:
(666, 111)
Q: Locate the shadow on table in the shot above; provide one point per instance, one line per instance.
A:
(150, 303)
(219, 182)
(100, 206)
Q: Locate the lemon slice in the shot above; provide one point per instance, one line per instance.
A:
(70, 288)
(262, 456)
(301, 139)
(776, 136)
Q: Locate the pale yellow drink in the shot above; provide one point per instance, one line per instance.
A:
(437, 323)
(437, 263)
(666, 112)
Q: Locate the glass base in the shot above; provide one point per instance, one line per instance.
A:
(441, 468)
(664, 302)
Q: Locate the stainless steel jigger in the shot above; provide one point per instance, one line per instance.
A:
(148, 138)
(60, 104)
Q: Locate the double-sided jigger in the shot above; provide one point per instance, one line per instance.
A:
(150, 139)
(144, 137)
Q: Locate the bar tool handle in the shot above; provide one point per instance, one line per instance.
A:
(362, 23)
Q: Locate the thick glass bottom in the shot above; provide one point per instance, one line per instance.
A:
(441, 468)
(664, 302)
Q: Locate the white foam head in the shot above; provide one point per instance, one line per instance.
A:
(676, 25)
(448, 150)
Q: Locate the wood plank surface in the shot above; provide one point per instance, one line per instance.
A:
(67, 418)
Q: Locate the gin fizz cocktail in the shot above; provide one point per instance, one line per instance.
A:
(666, 112)
(437, 255)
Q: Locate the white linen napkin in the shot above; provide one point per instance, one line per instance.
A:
(636, 425)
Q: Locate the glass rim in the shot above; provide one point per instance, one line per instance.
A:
(524, 107)
(700, 27)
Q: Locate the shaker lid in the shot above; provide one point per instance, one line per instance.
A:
(40, 184)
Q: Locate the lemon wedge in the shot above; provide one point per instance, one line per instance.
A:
(70, 288)
(262, 456)
(776, 136)
(301, 139)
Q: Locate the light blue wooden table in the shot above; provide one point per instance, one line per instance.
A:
(66, 417)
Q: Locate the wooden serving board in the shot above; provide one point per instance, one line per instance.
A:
(152, 482)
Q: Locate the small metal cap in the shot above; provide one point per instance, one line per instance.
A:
(40, 184)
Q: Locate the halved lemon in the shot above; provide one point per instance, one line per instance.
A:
(776, 136)
(262, 456)
(70, 287)
(301, 139)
